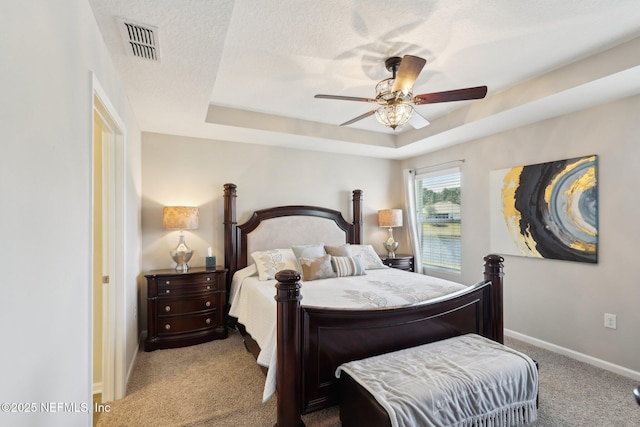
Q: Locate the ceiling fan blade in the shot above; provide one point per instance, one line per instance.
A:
(345, 98)
(478, 92)
(418, 121)
(410, 68)
(360, 117)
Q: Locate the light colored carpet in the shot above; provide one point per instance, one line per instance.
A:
(213, 384)
(219, 384)
(575, 394)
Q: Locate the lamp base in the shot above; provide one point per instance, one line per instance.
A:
(181, 258)
(391, 247)
(181, 255)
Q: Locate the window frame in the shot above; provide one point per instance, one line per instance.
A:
(435, 262)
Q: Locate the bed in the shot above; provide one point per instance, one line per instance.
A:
(309, 341)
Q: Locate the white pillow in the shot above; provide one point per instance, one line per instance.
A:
(270, 262)
(368, 257)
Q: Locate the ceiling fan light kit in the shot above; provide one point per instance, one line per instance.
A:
(394, 116)
(395, 94)
(394, 111)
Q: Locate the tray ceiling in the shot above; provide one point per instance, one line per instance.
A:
(247, 71)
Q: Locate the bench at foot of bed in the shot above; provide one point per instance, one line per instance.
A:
(467, 381)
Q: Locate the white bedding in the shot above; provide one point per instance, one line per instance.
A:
(253, 304)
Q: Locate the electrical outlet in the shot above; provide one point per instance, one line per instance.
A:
(610, 321)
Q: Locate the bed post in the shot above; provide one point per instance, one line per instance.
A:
(230, 232)
(289, 352)
(357, 217)
(494, 271)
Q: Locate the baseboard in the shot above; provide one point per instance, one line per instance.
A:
(130, 370)
(97, 388)
(581, 357)
(133, 362)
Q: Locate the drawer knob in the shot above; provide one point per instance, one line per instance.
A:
(208, 321)
(167, 282)
(167, 308)
(168, 291)
(208, 287)
(208, 303)
(167, 326)
(208, 279)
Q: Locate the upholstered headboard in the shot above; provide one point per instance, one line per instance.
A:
(283, 226)
(284, 232)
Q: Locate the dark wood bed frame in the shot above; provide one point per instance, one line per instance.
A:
(312, 342)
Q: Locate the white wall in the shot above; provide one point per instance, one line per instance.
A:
(49, 52)
(189, 171)
(563, 303)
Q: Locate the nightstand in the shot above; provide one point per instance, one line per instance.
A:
(185, 308)
(401, 262)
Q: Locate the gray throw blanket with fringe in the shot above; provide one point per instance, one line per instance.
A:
(466, 381)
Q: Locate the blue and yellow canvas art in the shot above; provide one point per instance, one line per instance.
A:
(547, 210)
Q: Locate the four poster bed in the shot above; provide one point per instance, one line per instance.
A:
(308, 342)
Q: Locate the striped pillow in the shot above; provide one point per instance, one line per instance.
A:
(347, 266)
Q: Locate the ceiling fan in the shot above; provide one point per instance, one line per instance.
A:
(395, 95)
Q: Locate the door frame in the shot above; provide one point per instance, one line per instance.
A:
(113, 161)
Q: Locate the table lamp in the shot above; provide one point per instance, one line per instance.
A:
(390, 218)
(180, 218)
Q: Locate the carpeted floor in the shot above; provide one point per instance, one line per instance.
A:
(575, 394)
(219, 384)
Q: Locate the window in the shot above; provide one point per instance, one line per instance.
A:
(438, 207)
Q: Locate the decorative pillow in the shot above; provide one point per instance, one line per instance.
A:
(307, 251)
(317, 268)
(342, 250)
(270, 262)
(347, 266)
(369, 257)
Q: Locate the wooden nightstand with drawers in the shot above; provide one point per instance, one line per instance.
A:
(402, 262)
(185, 308)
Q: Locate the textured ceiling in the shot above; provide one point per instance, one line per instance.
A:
(247, 70)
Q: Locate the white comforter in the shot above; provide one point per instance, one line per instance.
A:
(253, 304)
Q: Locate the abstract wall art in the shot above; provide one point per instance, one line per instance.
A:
(546, 210)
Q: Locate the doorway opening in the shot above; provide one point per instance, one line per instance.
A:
(108, 350)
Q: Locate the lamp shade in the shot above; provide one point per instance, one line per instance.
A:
(180, 218)
(390, 218)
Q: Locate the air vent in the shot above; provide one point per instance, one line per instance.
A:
(140, 40)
